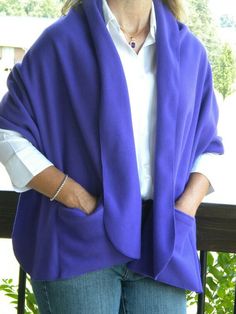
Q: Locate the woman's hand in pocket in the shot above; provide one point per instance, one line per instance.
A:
(78, 197)
(87, 202)
(193, 194)
(186, 209)
(72, 195)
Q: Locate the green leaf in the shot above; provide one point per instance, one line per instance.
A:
(12, 295)
(212, 283)
(7, 289)
(218, 274)
(210, 259)
(209, 308)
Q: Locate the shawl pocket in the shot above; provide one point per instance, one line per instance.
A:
(183, 269)
(184, 223)
(185, 262)
(83, 245)
(78, 232)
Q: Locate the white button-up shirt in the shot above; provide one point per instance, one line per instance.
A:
(23, 161)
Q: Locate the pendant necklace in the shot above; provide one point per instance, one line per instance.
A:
(132, 40)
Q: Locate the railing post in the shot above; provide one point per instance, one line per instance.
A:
(201, 296)
(21, 292)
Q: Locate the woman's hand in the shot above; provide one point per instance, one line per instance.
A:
(89, 204)
(79, 198)
(193, 194)
(186, 209)
(72, 194)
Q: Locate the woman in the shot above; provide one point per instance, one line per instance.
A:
(109, 121)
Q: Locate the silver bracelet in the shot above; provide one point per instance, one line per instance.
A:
(59, 188)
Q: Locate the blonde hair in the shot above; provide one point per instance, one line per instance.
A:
(69, 4)
(174, 6)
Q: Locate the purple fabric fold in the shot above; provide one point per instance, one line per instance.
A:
(69, 98)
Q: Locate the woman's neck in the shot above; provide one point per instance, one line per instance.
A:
(132, 15)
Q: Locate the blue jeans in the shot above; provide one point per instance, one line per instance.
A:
(115, 290)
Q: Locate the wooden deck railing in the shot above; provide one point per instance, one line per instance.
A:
(216, 231)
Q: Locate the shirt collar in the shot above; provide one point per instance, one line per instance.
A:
(111, 19)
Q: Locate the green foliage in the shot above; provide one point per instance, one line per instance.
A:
(225, 71)
(220, 55)
(11, 7)
(202, 25)
(220, 287)
(41, 8)
(11, 290)
(221, 283)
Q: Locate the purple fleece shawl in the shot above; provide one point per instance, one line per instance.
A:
(69, 98)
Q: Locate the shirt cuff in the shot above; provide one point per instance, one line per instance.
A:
(24, 166)
(208, 165)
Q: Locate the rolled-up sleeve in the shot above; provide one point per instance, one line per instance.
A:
(21, 159)
(208, 164)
